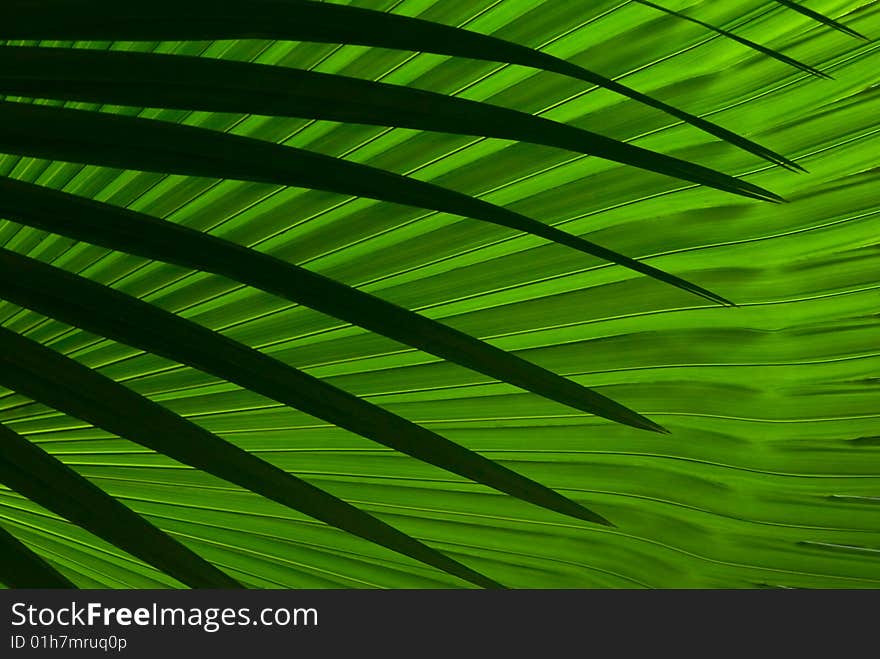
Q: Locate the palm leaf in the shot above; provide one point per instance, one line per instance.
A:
(782, 57)
(768, 478)
(815, 15)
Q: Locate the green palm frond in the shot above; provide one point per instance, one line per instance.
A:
(782, 57)
(313, 294)
(815, 15)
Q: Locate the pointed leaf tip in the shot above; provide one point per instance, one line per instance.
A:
(821, 18)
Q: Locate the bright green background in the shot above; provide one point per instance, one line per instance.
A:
(771, 475)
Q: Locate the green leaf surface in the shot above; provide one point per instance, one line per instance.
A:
(770, 474)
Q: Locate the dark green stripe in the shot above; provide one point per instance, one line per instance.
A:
(22, 568)
(821, 18)
(38, 476)
(775, 54)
